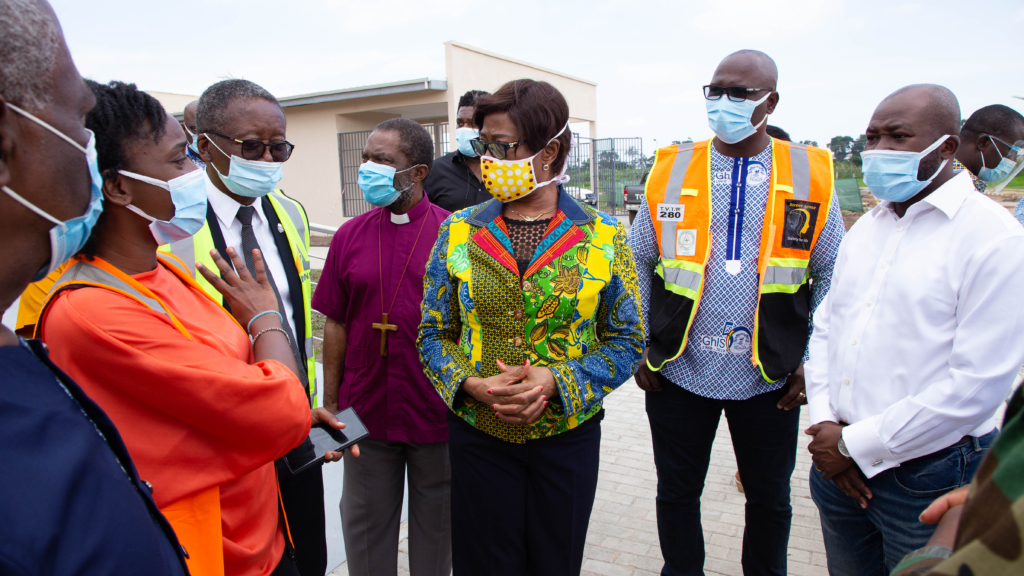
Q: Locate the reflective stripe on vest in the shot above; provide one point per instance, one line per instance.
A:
(296, 228)
(681, 175)
(196, 519)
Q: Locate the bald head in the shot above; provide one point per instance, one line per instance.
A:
(756, 67)
(913, 118)
(938, 105)
(189, 117)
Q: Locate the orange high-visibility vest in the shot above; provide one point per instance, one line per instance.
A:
(196, 519)
(678, 193)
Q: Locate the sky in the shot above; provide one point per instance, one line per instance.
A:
(836, 59)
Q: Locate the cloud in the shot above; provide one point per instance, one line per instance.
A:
(373, 15)
(747, 20)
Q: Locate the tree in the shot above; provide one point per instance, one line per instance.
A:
(856, 148)
(840, 146)
(810, 143)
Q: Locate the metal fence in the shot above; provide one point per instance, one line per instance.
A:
(603, 167)
(599, 169)
(350, 152)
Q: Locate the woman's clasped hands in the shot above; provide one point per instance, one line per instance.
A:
(518, 395)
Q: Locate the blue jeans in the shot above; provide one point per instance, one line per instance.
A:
(683, 426)
(870, 542)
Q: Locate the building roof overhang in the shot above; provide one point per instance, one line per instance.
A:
(419, 85)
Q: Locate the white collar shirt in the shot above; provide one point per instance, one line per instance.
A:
(226, 209)
(917, 343)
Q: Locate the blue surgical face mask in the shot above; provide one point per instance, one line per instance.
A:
(464, 138)
(377, 182)
(188, 193)
(1001, 171)
(67, 237)
(194, 144)
(891, 175)
(250, 178)
(730, 121)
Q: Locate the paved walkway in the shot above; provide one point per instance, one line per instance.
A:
(623, 536)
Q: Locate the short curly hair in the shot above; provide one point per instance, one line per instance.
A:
(413, 140)
(211, 112)
(123, 114)
(30, 40)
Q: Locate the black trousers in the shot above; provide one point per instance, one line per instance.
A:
(683, 426)
(285, 567)
(521, 509)
(303, 498)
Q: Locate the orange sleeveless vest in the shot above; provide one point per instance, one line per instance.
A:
(678, 193)
(196, 519)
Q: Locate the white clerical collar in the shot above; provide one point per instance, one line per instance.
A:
(399, 218)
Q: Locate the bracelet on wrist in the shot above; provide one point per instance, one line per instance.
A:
(248, 329)
(264, 331)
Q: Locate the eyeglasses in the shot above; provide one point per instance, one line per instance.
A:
(254, 149)
(190, 127)
(497, 150)
(735, 93)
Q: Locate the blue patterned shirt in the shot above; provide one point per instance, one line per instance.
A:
(195, 158)
(714, 365)
(1018, 213)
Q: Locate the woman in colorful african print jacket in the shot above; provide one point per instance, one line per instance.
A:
(531, 316)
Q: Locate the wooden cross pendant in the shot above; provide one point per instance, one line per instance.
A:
(384, 327)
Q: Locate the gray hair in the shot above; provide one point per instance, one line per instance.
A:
(30, 40)
(211, 114)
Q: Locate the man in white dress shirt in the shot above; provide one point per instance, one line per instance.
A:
(241, 136)
(917, 343)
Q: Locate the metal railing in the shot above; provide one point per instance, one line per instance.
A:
(604, 167)
(322, 229)
(350, 152)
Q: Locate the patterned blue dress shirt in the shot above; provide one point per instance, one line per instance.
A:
(713, 365)
(1018, 213)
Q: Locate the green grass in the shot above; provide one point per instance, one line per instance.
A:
(1017, 183)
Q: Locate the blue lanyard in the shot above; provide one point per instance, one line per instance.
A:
(737, 194)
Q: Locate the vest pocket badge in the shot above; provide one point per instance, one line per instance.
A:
(686, 243)
(670, 212)
(801, 218)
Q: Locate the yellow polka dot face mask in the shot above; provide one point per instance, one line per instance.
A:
(509, 180)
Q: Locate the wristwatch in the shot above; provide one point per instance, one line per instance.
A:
(842, 448)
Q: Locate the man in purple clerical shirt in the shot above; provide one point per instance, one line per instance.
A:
(370, 290)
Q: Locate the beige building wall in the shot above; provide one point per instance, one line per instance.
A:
(173, 103)
(470, 68)
(313, 174)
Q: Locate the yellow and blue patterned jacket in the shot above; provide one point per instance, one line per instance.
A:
(576, 310)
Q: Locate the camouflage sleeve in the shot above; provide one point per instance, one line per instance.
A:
(587, 379)
(990, 538)
(443, 359)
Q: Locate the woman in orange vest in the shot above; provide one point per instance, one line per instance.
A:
(203, 411)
